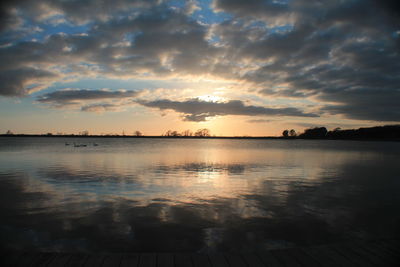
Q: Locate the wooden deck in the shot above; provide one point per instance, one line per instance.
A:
(374, 253)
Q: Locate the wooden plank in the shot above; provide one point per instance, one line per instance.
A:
(376, 250)
(234, 260)
(269, 259)
(147, 260)
(201, 260)
(303, 258)
(129, 260)
(112, 260)
(26, 259)
(77, 260)
(61, 259)
(387, 250)
(94, 260)
(42, 259)
(218, 260)
(183, 260)
(350, 255)
(375, 253)
(322, 259)
(332, 256)
(394, 243)
(165, 260)
(252, 260)
(387, 257)
(284, 257)
(372, 258)
(390, 245)
(10, 258)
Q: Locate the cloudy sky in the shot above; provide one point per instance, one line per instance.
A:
(237, 67)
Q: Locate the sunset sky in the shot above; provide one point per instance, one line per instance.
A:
(253, 67)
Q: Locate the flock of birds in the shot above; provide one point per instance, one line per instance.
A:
(80, 145)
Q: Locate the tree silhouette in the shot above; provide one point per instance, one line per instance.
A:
(175, 133)
(314, 133)
(171, 133)
(187, 133)
(137, 133)
(285, 133)
(202, 132)
(378, 132)
(292, 133)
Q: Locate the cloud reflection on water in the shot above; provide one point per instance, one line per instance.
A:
(191, 203)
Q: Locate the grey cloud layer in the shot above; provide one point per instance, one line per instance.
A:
(343, 54)
(158, 41)
(193, 109)
(83, 94)
(87, 100)
(197, 110)
(77, 11)
(100, 107)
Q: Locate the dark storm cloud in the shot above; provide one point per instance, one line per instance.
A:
(197, 110)
(366, 104)
(13, 81)
(345, 52)
(343, 55)
(64, 97)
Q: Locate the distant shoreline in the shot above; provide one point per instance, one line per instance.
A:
(377, 133)
(197, 137)
(144, 136)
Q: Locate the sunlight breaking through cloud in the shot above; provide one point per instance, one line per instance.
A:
(340, 58)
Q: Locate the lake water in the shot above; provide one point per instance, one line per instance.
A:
(164, 195)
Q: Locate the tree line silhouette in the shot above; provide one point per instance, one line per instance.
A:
(388, 132)
(170, 133)
(187, 133)
(377, 132)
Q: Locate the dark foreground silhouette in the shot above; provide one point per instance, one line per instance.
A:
(389, 132)
(373, 253)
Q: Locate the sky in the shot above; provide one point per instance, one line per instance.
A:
(236, 67)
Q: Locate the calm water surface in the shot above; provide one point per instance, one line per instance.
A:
(164, 195)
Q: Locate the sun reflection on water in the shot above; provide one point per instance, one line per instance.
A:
(196, 194)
